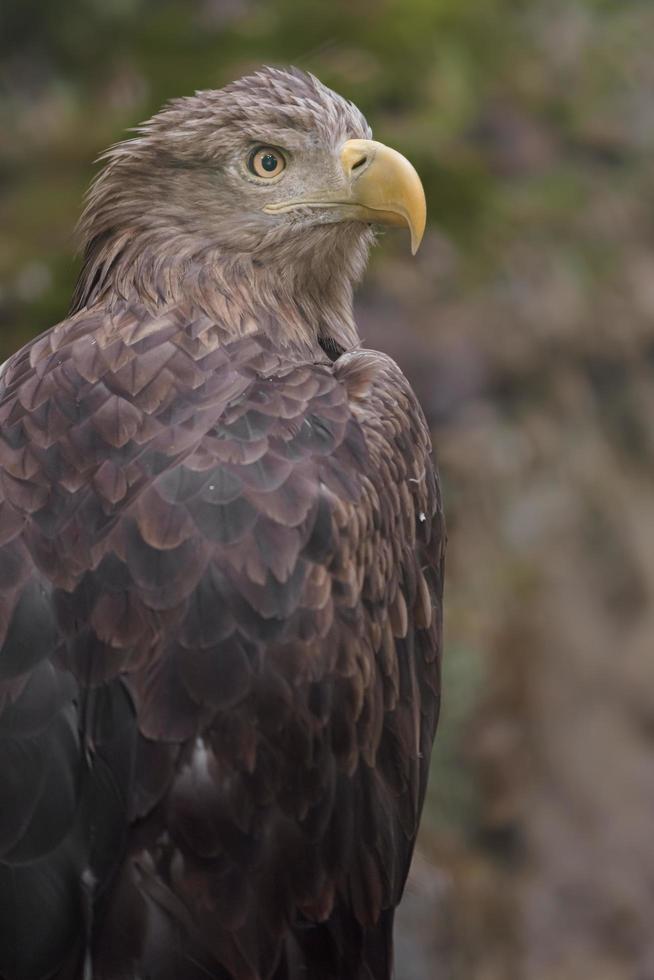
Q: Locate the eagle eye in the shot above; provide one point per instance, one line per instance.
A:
(266, 161)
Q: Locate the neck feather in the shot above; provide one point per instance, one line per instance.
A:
(303, 301)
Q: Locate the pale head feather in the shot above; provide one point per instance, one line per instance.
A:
(173, 216)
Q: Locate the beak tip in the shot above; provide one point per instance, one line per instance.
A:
(417, 235)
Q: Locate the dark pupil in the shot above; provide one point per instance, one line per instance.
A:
(269, 162)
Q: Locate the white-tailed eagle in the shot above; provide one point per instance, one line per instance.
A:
(221, 543)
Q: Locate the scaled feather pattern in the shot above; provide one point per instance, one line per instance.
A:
(221, 546)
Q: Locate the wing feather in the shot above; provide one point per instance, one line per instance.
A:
(221, 612)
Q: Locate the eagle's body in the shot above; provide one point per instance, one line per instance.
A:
(220, 605)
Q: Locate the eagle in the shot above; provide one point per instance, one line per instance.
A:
(221, 565)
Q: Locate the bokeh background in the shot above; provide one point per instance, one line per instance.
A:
(526, 324)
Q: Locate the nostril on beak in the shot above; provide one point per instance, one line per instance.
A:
(359, 163)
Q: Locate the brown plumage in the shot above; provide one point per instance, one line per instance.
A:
(221, 547)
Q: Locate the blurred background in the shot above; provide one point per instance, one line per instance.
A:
(526, 325)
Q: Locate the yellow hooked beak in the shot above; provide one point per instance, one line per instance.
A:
(387, 189)
(380, 185)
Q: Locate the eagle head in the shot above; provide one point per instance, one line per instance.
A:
(275, 171)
